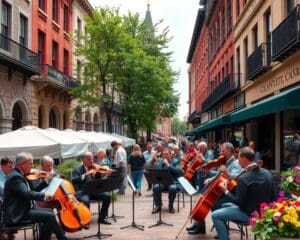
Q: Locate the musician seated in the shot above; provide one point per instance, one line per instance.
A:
(101, 157)
(19, 205)
(254, 187)
(86, 173)
(172, 164)
(231, 168)
(6, 166)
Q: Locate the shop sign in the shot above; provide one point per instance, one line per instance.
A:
(228, 106)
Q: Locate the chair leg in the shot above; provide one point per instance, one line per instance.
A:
(178, 196)
(183, 199)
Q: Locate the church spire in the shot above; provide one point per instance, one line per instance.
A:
(148, 18)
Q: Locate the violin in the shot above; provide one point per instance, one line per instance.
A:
(221, 160)
(36, 174)
(185, 161)
(102, 169)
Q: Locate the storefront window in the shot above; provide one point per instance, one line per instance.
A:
(291, 139)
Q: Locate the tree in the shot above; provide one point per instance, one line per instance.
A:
(178, 126)
(100, 46)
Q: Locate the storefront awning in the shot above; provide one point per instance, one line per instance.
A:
(214, 123)
(287, 100)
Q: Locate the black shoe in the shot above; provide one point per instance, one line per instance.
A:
(192, 227)
(104, 221)
(156, 210)
(171, 210)
(87, 226)
(199, 229)
(216, 237)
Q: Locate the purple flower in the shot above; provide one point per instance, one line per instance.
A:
(254, 214)
(297, 179)
(281, 178)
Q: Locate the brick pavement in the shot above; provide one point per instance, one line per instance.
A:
(143, 216)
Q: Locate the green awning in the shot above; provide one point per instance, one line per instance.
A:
(287, 100)
(214, 123)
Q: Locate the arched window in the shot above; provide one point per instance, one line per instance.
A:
(40, 117)
(52, 119)
(17, 117)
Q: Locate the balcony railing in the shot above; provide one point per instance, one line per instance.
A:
(286, 37)
(52, 74)
(16, 54)
(259, 61)
(229, 85)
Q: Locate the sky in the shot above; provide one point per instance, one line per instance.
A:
(179, 16)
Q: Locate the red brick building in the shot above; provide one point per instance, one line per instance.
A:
(51, 26)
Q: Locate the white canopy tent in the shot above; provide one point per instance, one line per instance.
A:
(27, 139)
(125, 140)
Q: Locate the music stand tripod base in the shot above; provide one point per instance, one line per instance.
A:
(160, 222)
(134, 225)
(99, 235)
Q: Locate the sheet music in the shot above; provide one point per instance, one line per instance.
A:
(53, 186)
(187, 186)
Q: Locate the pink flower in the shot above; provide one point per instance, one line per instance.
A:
(297, 168)
(252, 222)
(297, 179)
(254, 214)
(281, 178)
(281, 193)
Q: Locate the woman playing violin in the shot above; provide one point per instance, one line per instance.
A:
(88, 172)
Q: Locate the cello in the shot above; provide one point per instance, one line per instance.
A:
(193, 166)
(73, 215)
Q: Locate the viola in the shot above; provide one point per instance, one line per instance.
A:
(193, 166)
(73, 215)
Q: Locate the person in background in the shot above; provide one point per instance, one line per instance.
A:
(175, 171)
(120, 161)
(234, 142)
(6, 166)
(83, 174)
(148, 155)
(101, 157)
(177, 153)
(252, 145)
(136, 162)
(254, 187)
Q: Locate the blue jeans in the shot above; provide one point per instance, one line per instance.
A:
(157, 190)
(228, 212)
(137, 177)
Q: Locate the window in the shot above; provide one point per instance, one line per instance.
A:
(238, 8)
(223, 22)
(245, 42)
(268, 26)
(66, 18)
(41, 46)
(289, 6)
(23, 35)
(231, 64)
(5, 19)
(78, 68)
(255, 36)
(79, 28)
(229, 16)
(66, 61)
(54, 11)
(42, 5)
(238, 63)
(54, 54)
(227, 69)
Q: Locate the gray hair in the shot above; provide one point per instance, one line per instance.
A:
(101, 150)
(21, 157)
(228, 146)
(46, 159)
(83, 156)
(247, 153)
(204, 144)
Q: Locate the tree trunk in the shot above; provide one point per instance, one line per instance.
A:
(149, 135)
(108, 119)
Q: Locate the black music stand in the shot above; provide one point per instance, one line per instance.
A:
(133, 224)
(159, 176)
(99, 185)
(117, 175)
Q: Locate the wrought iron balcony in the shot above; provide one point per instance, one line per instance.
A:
(229, 85)
(113, 106)
(15, 55)
(53, 75)
(259, 61)
(117, 108)
(286, 37)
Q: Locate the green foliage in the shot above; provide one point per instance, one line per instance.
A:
(67, 166)
(178, 126)
(123, 54)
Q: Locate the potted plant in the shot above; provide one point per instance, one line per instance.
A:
(277, 220)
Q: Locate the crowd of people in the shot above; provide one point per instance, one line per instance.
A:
(20, 194)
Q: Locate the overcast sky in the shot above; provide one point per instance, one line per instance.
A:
(180, 16)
